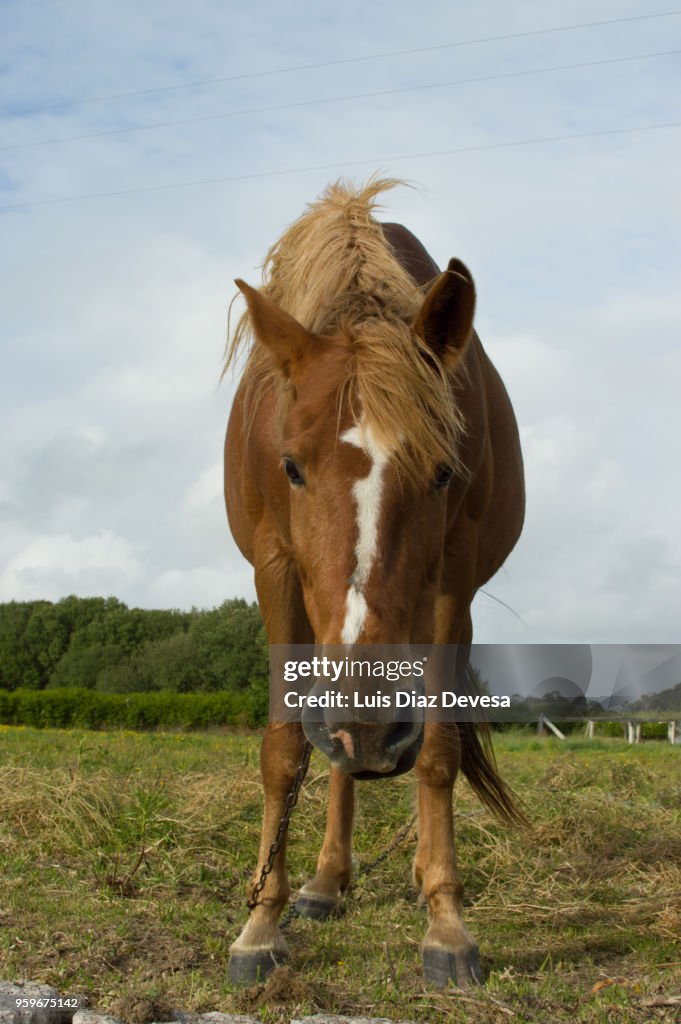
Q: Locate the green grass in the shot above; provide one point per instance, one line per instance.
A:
(124, 859)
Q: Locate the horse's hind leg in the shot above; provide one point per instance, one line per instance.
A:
(261, 946)
(449, 951)
(321, 897)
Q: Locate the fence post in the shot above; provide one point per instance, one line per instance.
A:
(671, 731)
(554, 729)
(590, 728)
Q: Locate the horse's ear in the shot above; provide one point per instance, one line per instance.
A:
(445, 320)
(276, 330)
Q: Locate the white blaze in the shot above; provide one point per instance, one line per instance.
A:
(367, 493)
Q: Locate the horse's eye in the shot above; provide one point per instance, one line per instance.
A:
(443, 475)
(293, 473)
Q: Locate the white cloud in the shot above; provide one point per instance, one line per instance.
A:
(54, 565)
(114, 311)
(202, 586)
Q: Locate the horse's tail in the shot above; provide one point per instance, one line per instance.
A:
(479, 765)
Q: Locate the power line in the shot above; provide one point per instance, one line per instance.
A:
(341, 163)
(343, 60)
(339, 99)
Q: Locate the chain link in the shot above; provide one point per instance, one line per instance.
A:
(396, 842)
(364, 869)
(291, 801)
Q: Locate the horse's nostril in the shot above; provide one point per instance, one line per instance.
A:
(402, 734)
(343, 739)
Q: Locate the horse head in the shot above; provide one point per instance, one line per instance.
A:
(367, 450)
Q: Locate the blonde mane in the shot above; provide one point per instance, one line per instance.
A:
(334, 271)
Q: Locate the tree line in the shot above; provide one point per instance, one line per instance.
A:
(100, 644)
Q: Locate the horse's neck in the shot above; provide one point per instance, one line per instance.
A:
(410, 254)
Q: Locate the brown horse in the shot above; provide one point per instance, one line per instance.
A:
(373, 477)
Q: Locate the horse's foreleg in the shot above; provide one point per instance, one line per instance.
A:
(260, 946)
(422, 856)
(449, 951)
(321, 897)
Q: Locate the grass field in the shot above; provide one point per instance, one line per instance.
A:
(124, 859)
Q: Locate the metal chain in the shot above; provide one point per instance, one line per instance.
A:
(290, 915)
(396, 842)
(364, 869)
(291, 801)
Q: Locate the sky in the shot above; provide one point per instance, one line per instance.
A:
(114, 309)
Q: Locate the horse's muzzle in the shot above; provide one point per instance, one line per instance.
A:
(367, 750)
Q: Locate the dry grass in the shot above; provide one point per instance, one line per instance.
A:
(124, 859)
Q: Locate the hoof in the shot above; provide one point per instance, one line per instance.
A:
(440, 967)
(317, 908)
(249, 968)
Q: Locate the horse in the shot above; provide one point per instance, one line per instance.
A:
(374, 480)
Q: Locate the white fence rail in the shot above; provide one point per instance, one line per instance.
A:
(632, 728)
